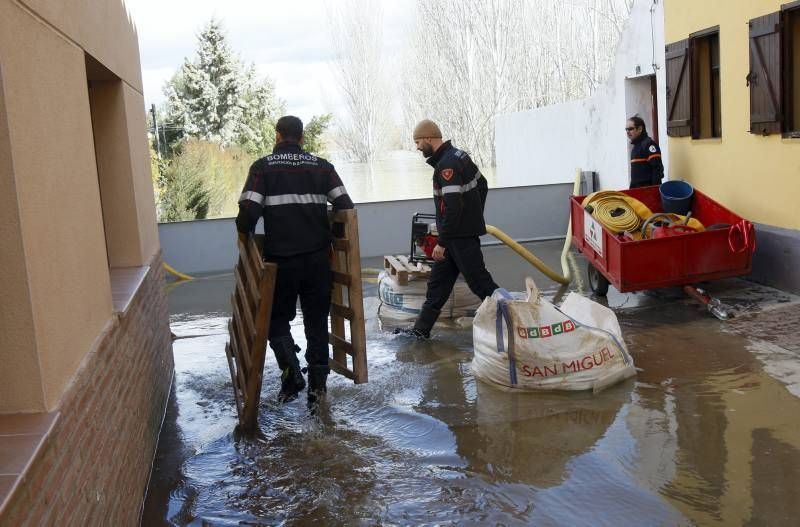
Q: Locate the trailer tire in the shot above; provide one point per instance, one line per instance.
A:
(597, 281)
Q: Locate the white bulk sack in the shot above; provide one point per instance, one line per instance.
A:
(402, 303)
(533, 345)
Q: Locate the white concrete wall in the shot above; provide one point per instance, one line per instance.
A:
(548, 144)
(523, 213)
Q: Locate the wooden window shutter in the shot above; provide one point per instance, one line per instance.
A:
(679, 89)
(766, 75)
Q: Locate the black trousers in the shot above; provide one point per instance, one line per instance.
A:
(462, 256)
(309, 277)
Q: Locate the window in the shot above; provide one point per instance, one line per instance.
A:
(693, 86)
(792, 74)
(706, 88)
(115, 158)
(774, 76)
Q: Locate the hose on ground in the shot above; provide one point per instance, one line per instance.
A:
(565, 268)
(177, 274)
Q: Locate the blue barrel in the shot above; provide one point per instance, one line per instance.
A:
(676, 197)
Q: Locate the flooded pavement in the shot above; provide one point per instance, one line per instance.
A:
(706, 434)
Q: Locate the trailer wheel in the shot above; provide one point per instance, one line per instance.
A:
(597, 281)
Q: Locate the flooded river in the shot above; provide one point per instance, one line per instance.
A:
(403, 174)
(703, 435)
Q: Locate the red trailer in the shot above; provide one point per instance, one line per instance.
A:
(725, 250)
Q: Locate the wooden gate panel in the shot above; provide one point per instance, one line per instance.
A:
(251, 306)
(248, 329)
(347, 301)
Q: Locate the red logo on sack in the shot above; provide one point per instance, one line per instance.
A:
(447, 174)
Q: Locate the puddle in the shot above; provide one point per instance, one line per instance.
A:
(702, 436)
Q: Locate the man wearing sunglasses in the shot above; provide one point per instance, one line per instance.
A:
(646, 166)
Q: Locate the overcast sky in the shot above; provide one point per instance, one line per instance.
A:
(288, 41)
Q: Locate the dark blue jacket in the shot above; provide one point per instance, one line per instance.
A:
(291, 190)
(646, 166)
(459, 193)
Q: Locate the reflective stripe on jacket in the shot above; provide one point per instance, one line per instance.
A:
(646, 165)
(459, 194)
(291, 190)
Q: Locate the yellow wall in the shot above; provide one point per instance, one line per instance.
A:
(57, 247)
(756, 177)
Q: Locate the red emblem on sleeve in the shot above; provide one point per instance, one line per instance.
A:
(447, 174)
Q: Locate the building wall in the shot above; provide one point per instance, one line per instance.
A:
(64, 254)
(755, 176)
(549, 143)
(94, 466)
(142, 181)
(17, 338)
(103, 28)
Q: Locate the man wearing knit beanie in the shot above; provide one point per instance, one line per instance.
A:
(459, 195)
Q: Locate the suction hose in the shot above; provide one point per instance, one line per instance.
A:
(177, 274)
(527, 255)
(566, 278)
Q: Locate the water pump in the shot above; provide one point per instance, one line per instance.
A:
(424, 237)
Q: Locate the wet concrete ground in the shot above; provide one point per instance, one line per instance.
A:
(707, 434)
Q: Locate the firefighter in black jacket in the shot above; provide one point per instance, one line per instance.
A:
(646, 166)
(290, 189)
(459, 194)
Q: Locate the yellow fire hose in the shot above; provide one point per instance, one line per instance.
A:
(527, 255)
(566, 278)
(616, 214)
(621, 213)
(177, 274)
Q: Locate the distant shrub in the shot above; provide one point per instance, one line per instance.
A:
(203, 180)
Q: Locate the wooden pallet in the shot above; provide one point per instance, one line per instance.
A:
(347, 301)
(252, 308)
(248, 330)
(402, 269)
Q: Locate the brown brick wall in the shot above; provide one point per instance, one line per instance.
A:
(94, 466)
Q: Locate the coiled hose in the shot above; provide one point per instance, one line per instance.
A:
(616, 214)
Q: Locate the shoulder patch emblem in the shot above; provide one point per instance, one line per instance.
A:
(447, 174)
(653, 149)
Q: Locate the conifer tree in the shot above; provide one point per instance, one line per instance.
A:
(215, 97)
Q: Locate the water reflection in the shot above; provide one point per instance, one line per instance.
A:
(509, 436)
(723, 420)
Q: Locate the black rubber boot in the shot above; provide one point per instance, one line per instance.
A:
(425, 321)
(422, 327)
(292, 381)
(413, 332)
(317, 383)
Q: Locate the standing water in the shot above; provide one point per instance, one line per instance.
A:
(399, 175)
(702, 436)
